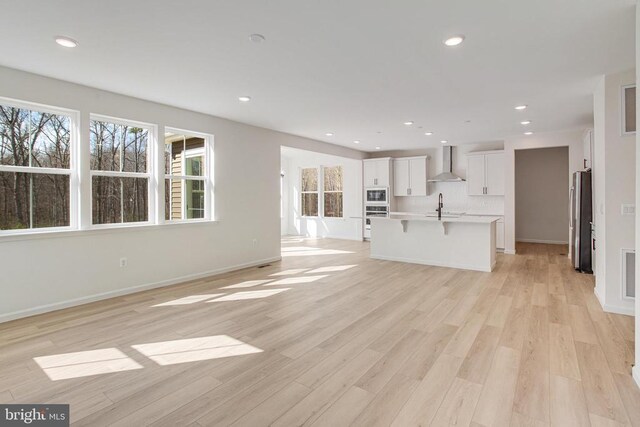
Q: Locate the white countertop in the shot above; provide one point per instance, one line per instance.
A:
(406, 216)
(453, 212)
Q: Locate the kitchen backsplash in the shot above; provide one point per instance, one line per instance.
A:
(455, 199)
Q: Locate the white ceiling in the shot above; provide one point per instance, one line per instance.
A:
(354, 67)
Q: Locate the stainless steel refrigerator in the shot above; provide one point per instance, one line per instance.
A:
(580, 219)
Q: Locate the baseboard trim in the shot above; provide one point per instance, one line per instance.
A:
(548, 242)
(635, 372)
(510, 251)
(627, 311)
(434, 263)
(130, 290)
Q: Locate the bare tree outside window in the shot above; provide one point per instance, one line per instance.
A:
(332, 194)
(119, 183)
(34, 169)
(309, 186)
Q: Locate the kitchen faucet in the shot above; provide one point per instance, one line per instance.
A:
(440, 205)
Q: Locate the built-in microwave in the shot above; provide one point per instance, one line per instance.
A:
(377, 195)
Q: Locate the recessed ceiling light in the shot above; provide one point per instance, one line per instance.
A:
(521, 107)
(329, 134)
(528, 133)
(256, 38)
(444, 141)
(428, 133)
(454, 41)
(377, 148)
(525, 122)
(244, 98)
(409, 123)
(356, 142)
(66, 41)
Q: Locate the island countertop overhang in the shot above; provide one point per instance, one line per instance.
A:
(468, 219)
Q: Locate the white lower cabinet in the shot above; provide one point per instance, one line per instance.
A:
(500, 234)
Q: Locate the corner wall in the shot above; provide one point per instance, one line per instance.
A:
(614, 170)
(636, 368)
(55, 270)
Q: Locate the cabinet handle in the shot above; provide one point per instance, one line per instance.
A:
(408, 191)
(375, 181)
(585, 163)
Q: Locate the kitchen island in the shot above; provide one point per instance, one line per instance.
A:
(465, 241)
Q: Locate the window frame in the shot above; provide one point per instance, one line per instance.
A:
(152, 192)
(72, 172)
(324, 191)
(317, 192)
(207, 177)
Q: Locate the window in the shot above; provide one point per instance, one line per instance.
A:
(309, 178)
(122, 182)
(119, 171)
(35, 168)
(185, 176)
(332, 191)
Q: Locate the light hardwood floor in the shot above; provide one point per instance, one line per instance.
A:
(329, 337)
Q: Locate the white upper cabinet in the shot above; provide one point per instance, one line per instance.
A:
(377, 172)
(401, 178)
(485, 173)
(475, 175)
(495, 174)
(410, 176)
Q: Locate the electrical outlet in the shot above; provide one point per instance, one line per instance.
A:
(255, 241)
(628, 209)
(123, 262)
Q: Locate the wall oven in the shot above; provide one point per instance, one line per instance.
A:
(371, 211)
(377, 195)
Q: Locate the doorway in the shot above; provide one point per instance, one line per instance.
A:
(542, 195)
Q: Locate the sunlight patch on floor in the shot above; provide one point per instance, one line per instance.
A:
(299, 248)
(239, 296)
(296, 280)
(289, 272)
(195, 349)
(85, 363)
(247, 284)
(313, 252)
(187, 300)
(332, 268)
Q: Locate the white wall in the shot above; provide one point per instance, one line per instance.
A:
(46, 272)
(542, 202)
(454, 193)
(571, 139)
(636, 368)
(613, 172)
(350, 225)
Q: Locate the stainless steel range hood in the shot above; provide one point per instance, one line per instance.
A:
(447, 174)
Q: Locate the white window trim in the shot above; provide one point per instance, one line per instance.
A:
(623, 108)
(80, 202)
(208, 177)
(152, 184)
(72, 172)
(623, 270)
(318, 192)
(322, 168)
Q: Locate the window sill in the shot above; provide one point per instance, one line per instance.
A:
(98, 230)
